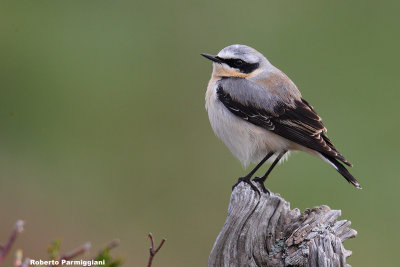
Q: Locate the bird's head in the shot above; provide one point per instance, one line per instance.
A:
(238, 61)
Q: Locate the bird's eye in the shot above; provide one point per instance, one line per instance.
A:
(238, 62)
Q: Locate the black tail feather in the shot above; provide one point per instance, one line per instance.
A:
(342, 170)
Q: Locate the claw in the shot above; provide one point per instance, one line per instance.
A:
(261, 181)
(247, 181)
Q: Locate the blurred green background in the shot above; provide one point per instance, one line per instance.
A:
(103, 131)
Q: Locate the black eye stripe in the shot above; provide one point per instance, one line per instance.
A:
(243, 66)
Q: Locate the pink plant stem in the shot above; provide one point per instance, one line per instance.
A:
(19, 226)
(152, 251)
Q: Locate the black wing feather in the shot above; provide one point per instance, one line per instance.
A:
(298, 122)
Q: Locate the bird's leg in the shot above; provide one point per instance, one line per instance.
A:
(262, 179)
(247, 178)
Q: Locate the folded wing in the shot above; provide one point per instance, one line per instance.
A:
(296, 121)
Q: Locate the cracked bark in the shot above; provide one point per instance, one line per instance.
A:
(262, 230)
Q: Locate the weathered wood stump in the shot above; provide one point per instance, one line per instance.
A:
(262, 230)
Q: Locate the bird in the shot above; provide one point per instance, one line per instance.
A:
(260, 115)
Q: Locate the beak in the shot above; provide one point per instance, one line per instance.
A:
(212, 58)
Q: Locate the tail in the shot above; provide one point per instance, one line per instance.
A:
(341, 169)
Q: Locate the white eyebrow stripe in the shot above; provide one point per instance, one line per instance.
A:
(248, 57)
(226, 54)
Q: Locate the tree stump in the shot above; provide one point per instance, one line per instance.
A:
(262, 230)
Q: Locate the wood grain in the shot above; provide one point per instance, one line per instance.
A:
(262, 230)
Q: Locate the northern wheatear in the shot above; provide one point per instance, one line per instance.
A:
(260, 115)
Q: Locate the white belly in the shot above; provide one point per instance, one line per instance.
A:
(247, 142)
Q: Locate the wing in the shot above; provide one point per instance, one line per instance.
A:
(296, 121)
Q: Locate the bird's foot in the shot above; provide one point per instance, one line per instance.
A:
(247, 181)
(261, 181)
